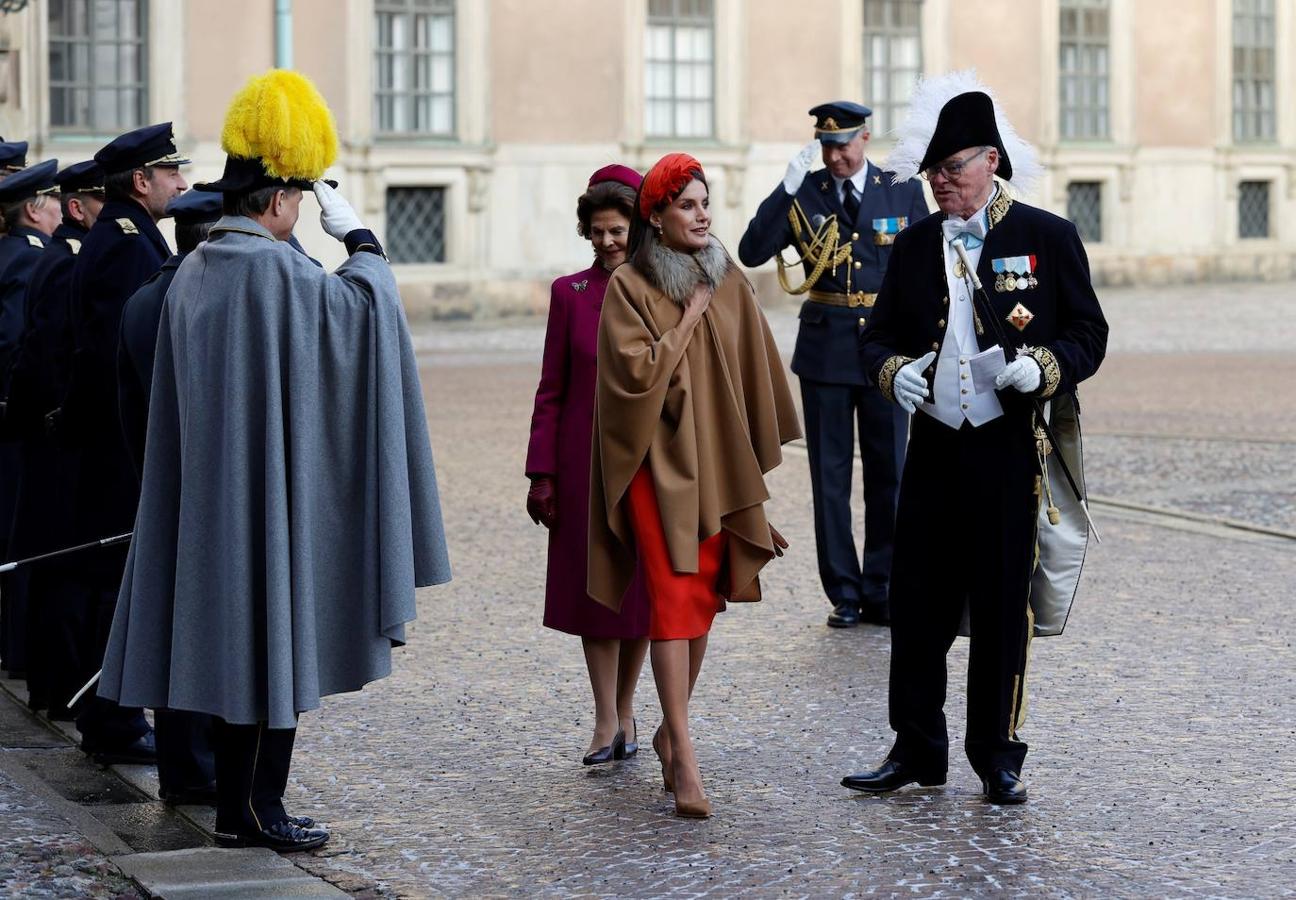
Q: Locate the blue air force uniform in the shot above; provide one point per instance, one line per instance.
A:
(836, 395)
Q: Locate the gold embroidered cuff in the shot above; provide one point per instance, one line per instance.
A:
(1050, 371)
(887, 374)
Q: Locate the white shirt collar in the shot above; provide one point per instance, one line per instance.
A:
(858, 179)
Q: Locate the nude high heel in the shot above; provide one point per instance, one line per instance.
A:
(667, 781)
(693, 809)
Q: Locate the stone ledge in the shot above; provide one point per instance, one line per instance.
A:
(212, 872)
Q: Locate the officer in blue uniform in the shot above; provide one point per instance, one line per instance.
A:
(841, 220)
(120, 253)
(43, 520)
(30, 215)
(13, 156)
(185, 762)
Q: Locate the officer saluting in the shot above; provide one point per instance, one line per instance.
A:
(841, 220)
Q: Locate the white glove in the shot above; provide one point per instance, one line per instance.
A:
(336, 215)
(909, 387)
(1022, 374)
(800, 166)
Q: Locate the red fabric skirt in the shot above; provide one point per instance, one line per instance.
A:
(681, 605)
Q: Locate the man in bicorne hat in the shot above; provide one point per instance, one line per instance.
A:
(288, 505)
(976, 478)
(842, 221)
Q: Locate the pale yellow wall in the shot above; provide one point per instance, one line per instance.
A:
(227, 42)
(556, 70)
(320, 51)
(1000, 39)
(793, 63)
(1174, 53)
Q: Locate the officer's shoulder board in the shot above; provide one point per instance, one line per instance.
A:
(75, 244)
(35, 242)
(127, 226)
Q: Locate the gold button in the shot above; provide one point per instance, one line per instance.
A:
(858, 264)
(855, 236)
(965, 406)
(964, 391)
(964, 375)
(945, 300)
(863, 321)
(940, 324)
(962, 362)
(935, 346)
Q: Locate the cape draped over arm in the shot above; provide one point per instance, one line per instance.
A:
(707, 408)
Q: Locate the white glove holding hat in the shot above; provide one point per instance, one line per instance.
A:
(336, 215)
(800, 166)
(909, 387)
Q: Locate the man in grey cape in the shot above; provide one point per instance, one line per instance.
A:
(288, 503)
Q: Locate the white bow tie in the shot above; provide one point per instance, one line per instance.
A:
(954, 227)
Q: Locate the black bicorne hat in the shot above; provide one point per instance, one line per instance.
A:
(243, 174)
(967, 120)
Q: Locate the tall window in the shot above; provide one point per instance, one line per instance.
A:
(98, 65)
(1253, 70)
(414, 67)
(679, 57)
(892, 58)
(1083, 70)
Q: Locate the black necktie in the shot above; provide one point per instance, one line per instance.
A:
(850, 201)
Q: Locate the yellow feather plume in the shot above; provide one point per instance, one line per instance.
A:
(280, 118)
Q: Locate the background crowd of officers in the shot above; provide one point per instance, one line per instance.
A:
(83, 272)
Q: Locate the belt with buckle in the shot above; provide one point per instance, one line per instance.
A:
(832, 298)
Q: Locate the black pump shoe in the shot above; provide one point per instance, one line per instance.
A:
(284, 837)
(614, 750)
(628, 747)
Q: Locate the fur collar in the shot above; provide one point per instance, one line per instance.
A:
(676, 273)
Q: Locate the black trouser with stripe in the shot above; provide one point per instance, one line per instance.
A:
(833, 414)
(251, 776)
(185, 750)
(965, 534)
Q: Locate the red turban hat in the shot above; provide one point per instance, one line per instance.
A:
(670, 175)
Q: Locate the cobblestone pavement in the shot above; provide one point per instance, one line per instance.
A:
(1161, 723)
(42, 855)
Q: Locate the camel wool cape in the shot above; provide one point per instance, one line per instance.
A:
(707, 408)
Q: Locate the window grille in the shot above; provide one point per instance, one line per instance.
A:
(98, 65)
(679, 69)
(1253, 70)
(414, 62)
(1084, 209)
(892, 59)
(1253, 209)
(416, 227)
(1083, 70)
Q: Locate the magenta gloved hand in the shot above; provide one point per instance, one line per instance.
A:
(542, 501)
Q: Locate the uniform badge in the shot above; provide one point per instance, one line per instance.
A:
(823, 186)
(127, 226)
(579, 286)
(75, 245)
(885, 230)
(877, 179)
(1020, 317)
(35, 242)
(1014, 273)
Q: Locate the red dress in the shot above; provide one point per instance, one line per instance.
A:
(681, 605)
(562, 429)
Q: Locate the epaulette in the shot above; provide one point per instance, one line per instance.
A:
(75, 244)
(127, 226)
(35, 241)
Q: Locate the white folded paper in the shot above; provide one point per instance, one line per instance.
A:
(986, 366)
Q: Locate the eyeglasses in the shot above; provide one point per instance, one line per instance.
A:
(952, 171)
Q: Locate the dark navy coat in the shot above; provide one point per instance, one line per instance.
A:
(139, 332)
(19, 251)
(1066, 329)
(120, 253)
(827, 347)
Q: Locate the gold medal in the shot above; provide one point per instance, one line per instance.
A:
(959, 269)
(1010, 284)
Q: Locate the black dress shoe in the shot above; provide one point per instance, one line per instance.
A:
(608, 753)
(844, 615)
(204, 795)
(141, 751)
(285, 837)
(891, 775)
(302, 821)
(1004, 786)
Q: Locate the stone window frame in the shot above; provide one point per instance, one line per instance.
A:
(1084, 70)
(135, 91)
(413, 107)
(1254, 71)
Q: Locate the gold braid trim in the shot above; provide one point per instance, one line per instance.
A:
(887, 374)
(1051, 371)
(821, 251)
(998, 207)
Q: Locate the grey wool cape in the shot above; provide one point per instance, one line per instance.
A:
(289, 505)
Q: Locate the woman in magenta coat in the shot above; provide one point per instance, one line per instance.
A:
(558, 464)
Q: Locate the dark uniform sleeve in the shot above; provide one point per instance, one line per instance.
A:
(882, 337)
(768, 232)
(132, 393)
(1081, 341)
(13, 303)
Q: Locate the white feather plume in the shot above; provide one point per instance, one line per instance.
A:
(915, 133)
